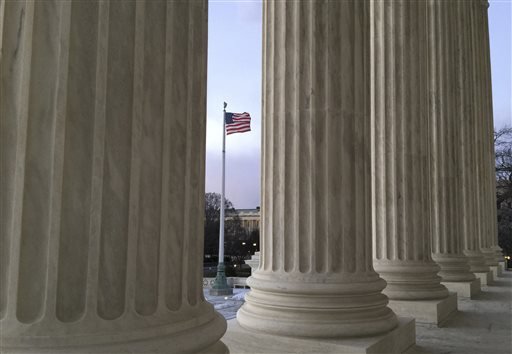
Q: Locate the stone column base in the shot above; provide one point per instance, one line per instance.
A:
(217, 348)
(486, 278)
(502, 266)
(189, 336)
(166, 346)
(426, 311)
(241, 340)
(466, 289)
(496, 271)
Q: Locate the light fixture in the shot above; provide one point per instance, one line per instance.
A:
(254, 244)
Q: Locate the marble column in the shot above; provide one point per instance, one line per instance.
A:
(470, 126)
(446, 159)
(483, 153)
(102, 155)
(316, 277)
(485, 52)
(254, 262)
(400, 162)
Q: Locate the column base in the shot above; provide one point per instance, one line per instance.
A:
(241, 340)
(502, 266)
(465, 289)
(486, 278)
(426, 311)
(286, 304)
(166, 346)
(187, 337)
(496, 271)
(217, 348)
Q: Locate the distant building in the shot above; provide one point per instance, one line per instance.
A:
(250, 218)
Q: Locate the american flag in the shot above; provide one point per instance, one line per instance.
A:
(238, 123)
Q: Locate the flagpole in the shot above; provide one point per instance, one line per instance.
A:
(223, 188)
(220, 285)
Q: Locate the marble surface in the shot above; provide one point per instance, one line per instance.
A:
(465, 289)
(436, 311)
(240, 340)
(401, 192)
(447, 141)
(103, 107)
(316, 277)
(475, 232)
(486, 278)
(254, 262)
(482, 325)
(487, 161)
(102, 145)
(227, 305)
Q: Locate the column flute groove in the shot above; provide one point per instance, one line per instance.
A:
(134, 223)
(18, 56)
(58, 146)
(98, 156)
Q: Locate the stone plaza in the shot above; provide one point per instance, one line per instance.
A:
(481, 325)
(378, 211)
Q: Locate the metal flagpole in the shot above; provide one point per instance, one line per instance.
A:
(220, 285)
(222, 206)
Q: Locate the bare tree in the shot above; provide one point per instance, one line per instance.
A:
(503, 149)
(212, 222)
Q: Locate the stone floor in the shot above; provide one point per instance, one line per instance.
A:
(227, 306)
(482, 325)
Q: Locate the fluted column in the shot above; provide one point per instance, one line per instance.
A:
(102, 150)
(446, 160)
(402, 253)
(471, 127)
(316, 277)
(490, 162)
(483, 153)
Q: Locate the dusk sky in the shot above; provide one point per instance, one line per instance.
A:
(234, 76)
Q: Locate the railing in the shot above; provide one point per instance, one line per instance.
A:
(234, 282)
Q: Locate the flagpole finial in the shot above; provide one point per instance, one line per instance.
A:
(225, 105)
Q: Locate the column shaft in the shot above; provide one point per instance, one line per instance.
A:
(400, 151)
(102, 149)
(491, 207)
(471, 125)
(316, 277)
(446, 159)
(483, 153)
